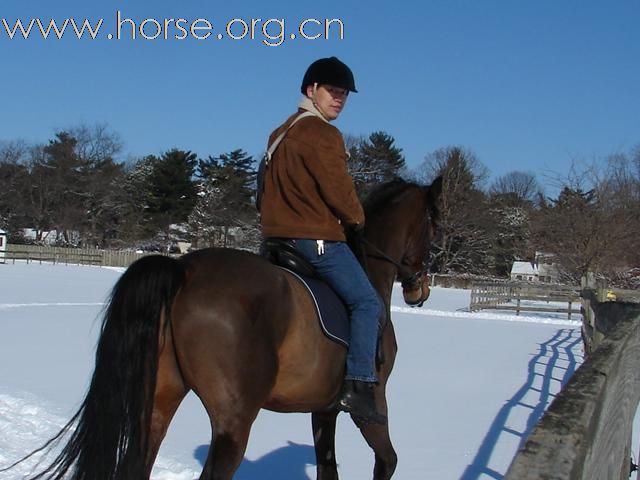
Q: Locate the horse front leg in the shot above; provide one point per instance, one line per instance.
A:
(324, 435)
(377, 437)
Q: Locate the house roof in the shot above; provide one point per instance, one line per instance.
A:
(523, 268)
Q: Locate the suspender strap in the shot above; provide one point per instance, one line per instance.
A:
(264, 164)
(273, 147)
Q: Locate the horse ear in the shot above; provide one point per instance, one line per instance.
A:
(435, 189)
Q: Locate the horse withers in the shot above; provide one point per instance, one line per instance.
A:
(243, 335)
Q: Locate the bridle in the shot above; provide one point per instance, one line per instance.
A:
(409, 280)
(412, 281)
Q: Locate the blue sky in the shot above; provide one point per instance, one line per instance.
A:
(526, 85)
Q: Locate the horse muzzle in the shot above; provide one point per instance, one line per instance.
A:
(416, 293)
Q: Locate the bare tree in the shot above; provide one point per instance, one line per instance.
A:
(593, 224)
(38, 198)
(618, 189)
(69, 185)
(97, 148)
(522, 187)
(96, 143)
(463, 240)
(13, 151)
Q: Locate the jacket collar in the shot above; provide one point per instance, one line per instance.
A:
(308, 105)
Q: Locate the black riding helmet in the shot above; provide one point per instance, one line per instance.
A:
(329, 71)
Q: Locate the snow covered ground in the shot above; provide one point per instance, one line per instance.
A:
(466, 389)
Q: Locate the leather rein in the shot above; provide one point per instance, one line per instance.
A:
(407, 279)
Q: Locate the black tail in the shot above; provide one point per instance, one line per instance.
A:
(112, 425)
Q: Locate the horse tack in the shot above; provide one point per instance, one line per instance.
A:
(282, 253)
(410, 281)
(235, 329)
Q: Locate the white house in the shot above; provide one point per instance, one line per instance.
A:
(542, 269)
(524, 271)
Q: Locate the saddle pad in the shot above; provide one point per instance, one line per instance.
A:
(333, 316)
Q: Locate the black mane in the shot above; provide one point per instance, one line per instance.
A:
(383, 194)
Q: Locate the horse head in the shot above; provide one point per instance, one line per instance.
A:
(402, 218)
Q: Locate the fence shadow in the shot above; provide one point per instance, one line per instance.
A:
(545, 367)
(287, 462)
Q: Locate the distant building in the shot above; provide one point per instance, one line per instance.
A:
(50, 237)
(524, 271)
(547, 269)
(542, 269)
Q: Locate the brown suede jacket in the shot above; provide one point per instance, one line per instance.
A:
(308, 192)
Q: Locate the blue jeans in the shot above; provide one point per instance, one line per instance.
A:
(339, 267)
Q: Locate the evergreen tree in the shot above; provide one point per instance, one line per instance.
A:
(226, 198)
(61, 185)
(137, 190)
(104, 202)
(374, 160)
(510, 235)
(172, 189)
(16, 184)
(72, 192)
(571, 227)
(511, 205)
(234, 174)
(103, 184)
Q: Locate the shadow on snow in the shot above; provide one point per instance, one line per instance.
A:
(555, 357)
(287, 462)
(554, 361)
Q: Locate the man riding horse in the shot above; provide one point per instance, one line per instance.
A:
(309, 199)
(244, 334)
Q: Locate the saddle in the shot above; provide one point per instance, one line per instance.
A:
(282, 253)
(332, 312)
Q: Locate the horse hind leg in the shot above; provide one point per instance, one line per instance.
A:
(169, 393)
(229, 442)
(232, 402)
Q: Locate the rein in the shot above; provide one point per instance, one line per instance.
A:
(407, 279)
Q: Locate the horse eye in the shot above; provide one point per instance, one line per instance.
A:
(410, 261)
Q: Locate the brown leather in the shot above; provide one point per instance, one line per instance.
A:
(308, 192)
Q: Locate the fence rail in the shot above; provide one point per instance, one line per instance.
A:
(53, 257)
(489, 295)
(73, 256)
(515, 297)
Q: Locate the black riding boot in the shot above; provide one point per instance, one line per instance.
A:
(356, 397)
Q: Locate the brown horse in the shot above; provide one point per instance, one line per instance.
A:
(243, 335)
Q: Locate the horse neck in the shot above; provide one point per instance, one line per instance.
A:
(382, 280)
(382, 273)
(389, 232)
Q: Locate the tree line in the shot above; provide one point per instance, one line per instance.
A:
(74, 185)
